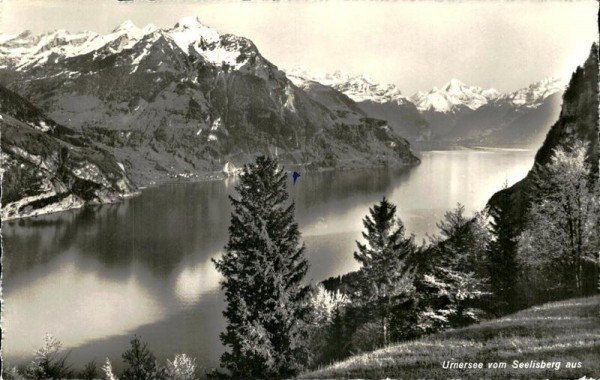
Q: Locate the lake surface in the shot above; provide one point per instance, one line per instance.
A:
(95, 277)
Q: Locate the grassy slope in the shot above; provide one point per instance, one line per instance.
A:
(566, 331)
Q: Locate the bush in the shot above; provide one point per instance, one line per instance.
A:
(89, 372)
(11, 373)
(182, 367)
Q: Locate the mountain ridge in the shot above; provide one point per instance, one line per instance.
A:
(380, 101)
(185, 100)
(448, 113)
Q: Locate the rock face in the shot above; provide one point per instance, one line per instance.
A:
(185, 100)
(47, 167)
(578, 120)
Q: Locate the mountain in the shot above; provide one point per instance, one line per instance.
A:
(453, 97)
(578, 120)
(454, 113)
(467, 114)
(522, 116)
(48, 167)
(376, 100)
(186, 100)
(359, 88)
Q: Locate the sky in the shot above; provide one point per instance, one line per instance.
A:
(413, 44)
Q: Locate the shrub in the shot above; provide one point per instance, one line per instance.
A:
(11, 373)
(182, 367)
(90, 371)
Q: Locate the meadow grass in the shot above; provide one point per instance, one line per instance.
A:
(565, 332)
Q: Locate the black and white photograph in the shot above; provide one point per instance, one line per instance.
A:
(299, 189)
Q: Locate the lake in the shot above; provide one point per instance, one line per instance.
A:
(94, 277)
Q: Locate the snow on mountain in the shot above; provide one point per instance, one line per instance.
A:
(534, 95)
(26, 50)
(454, 111)
(359, 88)
(452, 96)
(455, 95)
(187, 99)
(189, 34)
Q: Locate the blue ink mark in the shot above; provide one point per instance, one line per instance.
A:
(295, 177)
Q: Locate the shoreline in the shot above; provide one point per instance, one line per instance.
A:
(190, 178)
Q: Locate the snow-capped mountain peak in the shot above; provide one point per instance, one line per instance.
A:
(452, 96)
(189, 34)
(126, 26)
(193, 37)
(129, 29)
(359, 88)
(490, 93)
(534, 94)
(455, 95)
(27, 50)
(189, 22)
(190, 30)
(454, 86)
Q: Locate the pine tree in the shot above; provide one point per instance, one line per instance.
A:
(449, 275)
(502, 261)
(263, 267)
(142, 363)
(48, 362)
(383, 261)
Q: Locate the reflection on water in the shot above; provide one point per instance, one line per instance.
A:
(63, 291)
(94, 277)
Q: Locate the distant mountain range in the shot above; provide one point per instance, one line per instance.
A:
(454, 96)
(454, 113)
(182, 101)
(377, 100)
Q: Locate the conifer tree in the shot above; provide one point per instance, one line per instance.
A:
(263, 267)
(502, 261)
(449, 273)
(142, 363)
(383, 262)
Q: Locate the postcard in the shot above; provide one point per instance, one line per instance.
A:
(299, 189)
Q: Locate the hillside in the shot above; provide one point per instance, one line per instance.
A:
(578, 120)
(47, 167)
(565, 332)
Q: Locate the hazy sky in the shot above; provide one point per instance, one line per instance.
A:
(414, 44)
